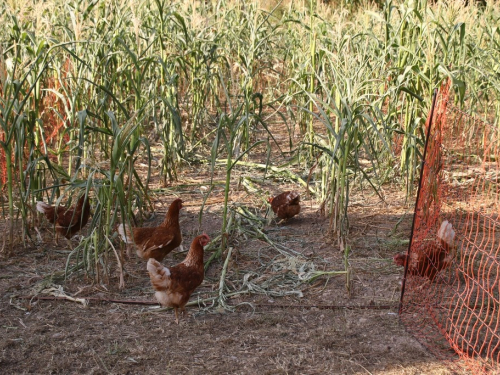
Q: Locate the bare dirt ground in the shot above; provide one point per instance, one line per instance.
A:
(277, 335)
(275, 323)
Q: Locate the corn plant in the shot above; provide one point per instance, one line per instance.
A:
(228, 130)
(118, 191)
(19, 102)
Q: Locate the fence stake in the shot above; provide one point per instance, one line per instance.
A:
(417, 200)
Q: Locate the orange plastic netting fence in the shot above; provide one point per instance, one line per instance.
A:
(450, 296)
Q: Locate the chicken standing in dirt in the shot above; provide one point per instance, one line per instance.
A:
(286, 205)
(67, 221)
(175, 285)
(436, 256)
(159, 241)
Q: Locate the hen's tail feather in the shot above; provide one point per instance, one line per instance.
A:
(159, 275)
(125, 233)
(446, 233)
(42, 207)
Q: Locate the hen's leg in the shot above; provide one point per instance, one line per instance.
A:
(130, 250)
(176, 315)
(69, 243)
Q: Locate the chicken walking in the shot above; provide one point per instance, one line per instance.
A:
(175, 285)
(159, 241)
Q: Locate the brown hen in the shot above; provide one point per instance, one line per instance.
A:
(436, 256)
(159, 241)
(175, 285)
(67, 221)
(286, 205)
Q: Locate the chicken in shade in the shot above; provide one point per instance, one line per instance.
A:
(67, 221)
(434, 258)
(286, 205)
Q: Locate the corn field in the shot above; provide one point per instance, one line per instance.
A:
(103, 96)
